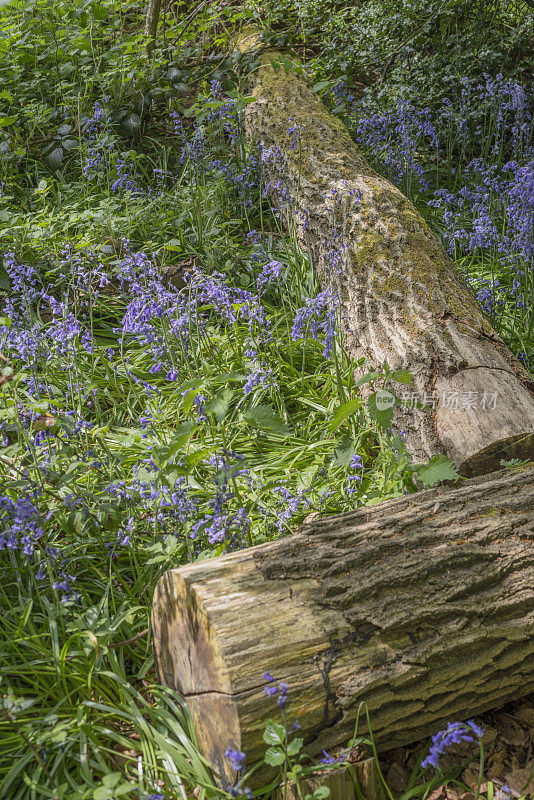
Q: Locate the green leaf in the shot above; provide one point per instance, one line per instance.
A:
(103, 793)
(321, 793)
(5, 121)
(380, 406)
(274, 733)
(514, 462)
(54, 159)
(112, 779)
(295, 746)
(264, 418)
(5, 283)
(344, 411)
(219, 405)
(368, 378)
(174, 244)
(183, 433)
(132, 123)
(99, 11)
(274, 756)
(402, 376)
(439, 468)
(344, 451)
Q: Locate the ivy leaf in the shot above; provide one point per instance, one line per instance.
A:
(439, 468)
(264, 418)
(274, 756)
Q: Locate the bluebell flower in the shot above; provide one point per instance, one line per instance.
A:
(236, 758)
(453, 734)
(318, 316)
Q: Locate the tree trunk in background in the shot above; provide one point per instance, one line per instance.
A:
(402, 299)
(423, 607)
(151, 24)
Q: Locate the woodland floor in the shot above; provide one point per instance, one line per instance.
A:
(509, 756)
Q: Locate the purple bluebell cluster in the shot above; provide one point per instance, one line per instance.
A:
(317, 317)
(453, 734)
(276, 690)
(290, 504)
(328, 759)
(484, 135)
(355, 473)
(395, 138)
(271, 273)
(236, 758)
(124, 180)
(22, 524)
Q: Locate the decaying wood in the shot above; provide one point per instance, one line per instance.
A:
(402, 299)
(340, 782)
(422, 607)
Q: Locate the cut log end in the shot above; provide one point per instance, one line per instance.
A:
(188, 660)
(520, 446)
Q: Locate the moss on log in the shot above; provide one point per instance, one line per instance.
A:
(402, 299)
(422, 606)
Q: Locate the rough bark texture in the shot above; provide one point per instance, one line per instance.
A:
(423, 607)
(402, 300)
(341, 783)
(151, 24)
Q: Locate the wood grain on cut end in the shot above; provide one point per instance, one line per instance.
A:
(189, 660)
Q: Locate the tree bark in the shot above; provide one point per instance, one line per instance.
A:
(402, 301)
(151, 24)
(422, 607)
(340, 781)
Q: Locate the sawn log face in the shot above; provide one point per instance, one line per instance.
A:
(423, 607)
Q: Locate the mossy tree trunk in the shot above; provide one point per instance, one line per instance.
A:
(401, 298)
(423, 607)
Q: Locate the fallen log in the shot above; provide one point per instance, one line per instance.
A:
(402, 301)
(422, 607)
(340, 781)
